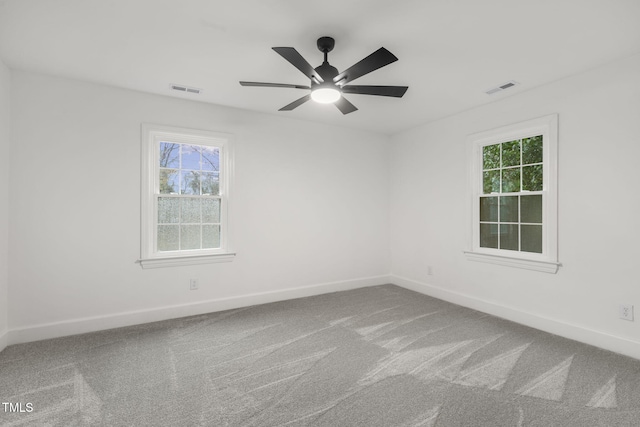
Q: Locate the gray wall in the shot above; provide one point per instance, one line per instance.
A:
(599, 151)
(316, 209)
(309, 210)
(5, 83)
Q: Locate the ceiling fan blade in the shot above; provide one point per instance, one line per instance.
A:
(292, 55)
(274, 85)
(296, 103)
(395, 91)
(345, 106)
(377, 59)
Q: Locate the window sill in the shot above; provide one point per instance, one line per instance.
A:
(185, 260)
(527, 264)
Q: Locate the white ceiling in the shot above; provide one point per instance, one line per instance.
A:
(450, 51)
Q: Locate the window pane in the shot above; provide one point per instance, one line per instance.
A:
(491, 157)
(168, 210)
(532, 238)
(190, 155)
(190, 182)
(210, 183)
(489, 235)
(532, 150)
(489, 209)
(191, 210)
(169, 155)
(509, 209)
(511, 180)
(210, 236)
(532, 178)
(211, 210)
(210, 158)
(509, 236)
(531, 207)
(491, 182)
(168, 181)
(168, 237)
(190, 237)
(510, 153)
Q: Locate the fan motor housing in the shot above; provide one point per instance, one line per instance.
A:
(327, 72)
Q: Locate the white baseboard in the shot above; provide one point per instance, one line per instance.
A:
(4, 340)
(575, 332)
(98, 323)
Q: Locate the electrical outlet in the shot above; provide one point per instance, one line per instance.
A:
(193, 284)
(625, 312)
(429, 270)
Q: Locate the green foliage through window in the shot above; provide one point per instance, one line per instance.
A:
(510, 218)
(513, 166)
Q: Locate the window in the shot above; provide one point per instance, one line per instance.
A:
(186, 177)
(514, 195)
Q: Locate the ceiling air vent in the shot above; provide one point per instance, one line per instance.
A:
(502, 87)
(187, 89)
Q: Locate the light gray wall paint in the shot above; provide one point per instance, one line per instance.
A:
(309, 204)
(599, 231)
(5, 84)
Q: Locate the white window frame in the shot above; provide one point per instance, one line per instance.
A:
(151, 137)
(547, 261)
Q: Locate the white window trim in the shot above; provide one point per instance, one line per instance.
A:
(548, 260)
(151, 135)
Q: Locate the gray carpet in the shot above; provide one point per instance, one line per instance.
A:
(381, 356)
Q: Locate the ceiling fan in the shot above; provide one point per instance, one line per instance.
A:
(327, 84)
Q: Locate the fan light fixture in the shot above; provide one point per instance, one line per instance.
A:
(325, 95)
